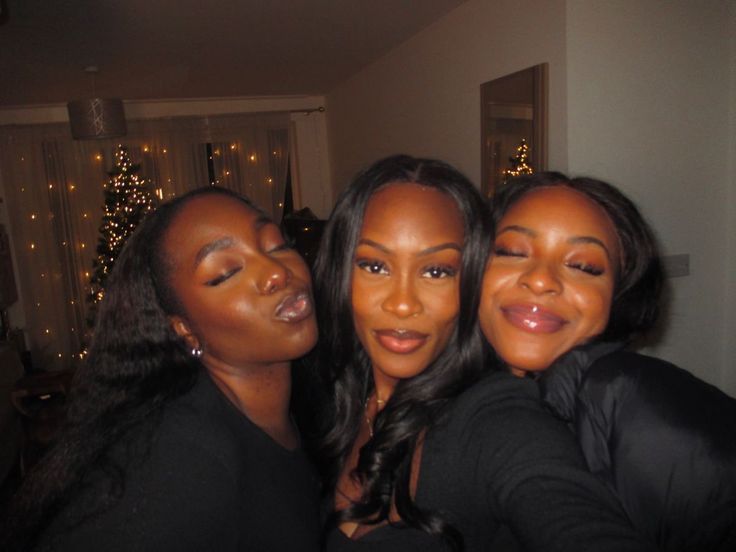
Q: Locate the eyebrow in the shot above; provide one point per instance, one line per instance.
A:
(211, 247)
(262, 221)
(226, 242)
(574, 240)
(423, 252)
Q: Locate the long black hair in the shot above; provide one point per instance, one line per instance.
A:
(136, 364)
(384, 464)
(640, 278)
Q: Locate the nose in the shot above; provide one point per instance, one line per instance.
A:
(273, 277)
(541, 278)
(402, 300)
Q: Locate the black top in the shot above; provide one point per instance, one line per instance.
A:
(508, 476)
(664, 440)
(212, 481)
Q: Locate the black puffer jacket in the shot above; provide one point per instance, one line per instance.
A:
(664, 440)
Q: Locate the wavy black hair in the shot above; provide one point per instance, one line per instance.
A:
(416, 404)
(136, 364)
(640, 278)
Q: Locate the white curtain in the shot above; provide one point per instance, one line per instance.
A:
(54, 199)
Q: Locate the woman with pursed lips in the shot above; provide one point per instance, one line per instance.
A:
(424, 448)
(179, 434)
(574, 276)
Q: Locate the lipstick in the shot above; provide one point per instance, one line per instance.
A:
(294, 307)
(533, 318)
(401, 341)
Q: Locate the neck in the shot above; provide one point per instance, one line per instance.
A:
(262, 394)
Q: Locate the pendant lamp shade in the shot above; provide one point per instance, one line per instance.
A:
(97, 118)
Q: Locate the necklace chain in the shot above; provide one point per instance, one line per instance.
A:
(368, 421)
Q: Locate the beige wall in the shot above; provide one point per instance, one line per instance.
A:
(639, 95)
(729, 280)
(424, 97)
(648, 109)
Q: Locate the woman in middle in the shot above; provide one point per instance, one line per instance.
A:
(423, 446)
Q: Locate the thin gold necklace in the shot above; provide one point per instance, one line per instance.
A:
(368, 421)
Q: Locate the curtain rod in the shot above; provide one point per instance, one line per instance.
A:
(320, 109)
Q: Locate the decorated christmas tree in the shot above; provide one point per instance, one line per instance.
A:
(128, 199)
(519, 162)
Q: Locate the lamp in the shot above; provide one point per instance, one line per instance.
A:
(96, 118)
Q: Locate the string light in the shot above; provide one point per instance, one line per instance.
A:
(128, 199)
(519, 163)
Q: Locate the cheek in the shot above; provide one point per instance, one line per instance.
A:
(444, 307)
(595, 308)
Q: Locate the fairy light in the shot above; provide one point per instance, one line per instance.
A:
(519, 163)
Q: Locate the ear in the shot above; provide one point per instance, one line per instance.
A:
(181, 328)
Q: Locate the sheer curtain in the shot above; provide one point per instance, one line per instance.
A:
(54, 198)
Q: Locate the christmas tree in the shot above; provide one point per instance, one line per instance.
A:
(128, 199)
(519, 163)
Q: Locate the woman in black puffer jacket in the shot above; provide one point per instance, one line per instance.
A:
(574, 276)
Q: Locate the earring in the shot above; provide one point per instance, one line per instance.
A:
(196, 352)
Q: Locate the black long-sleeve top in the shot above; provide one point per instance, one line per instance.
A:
(212, 480)
(508, 476)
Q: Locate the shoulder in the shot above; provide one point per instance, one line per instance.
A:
(501, 417)
(665, 440)
(659, 388)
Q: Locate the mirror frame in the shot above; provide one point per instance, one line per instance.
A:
(537, 141)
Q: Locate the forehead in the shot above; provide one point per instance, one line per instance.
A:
(209, 217)
(561, 207)
(409, 208)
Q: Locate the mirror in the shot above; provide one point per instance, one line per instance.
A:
(513, 119)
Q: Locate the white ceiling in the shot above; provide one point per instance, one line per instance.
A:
(148, 49)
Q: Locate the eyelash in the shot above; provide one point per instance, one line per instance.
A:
(503, 252)
(435, 272)
(439, 272)
(371, 266)
(583, 267)
(217, 280)
(587, 268)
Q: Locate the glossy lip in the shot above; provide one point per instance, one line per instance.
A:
(533, 318)
(400, 341)
(295, 307)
